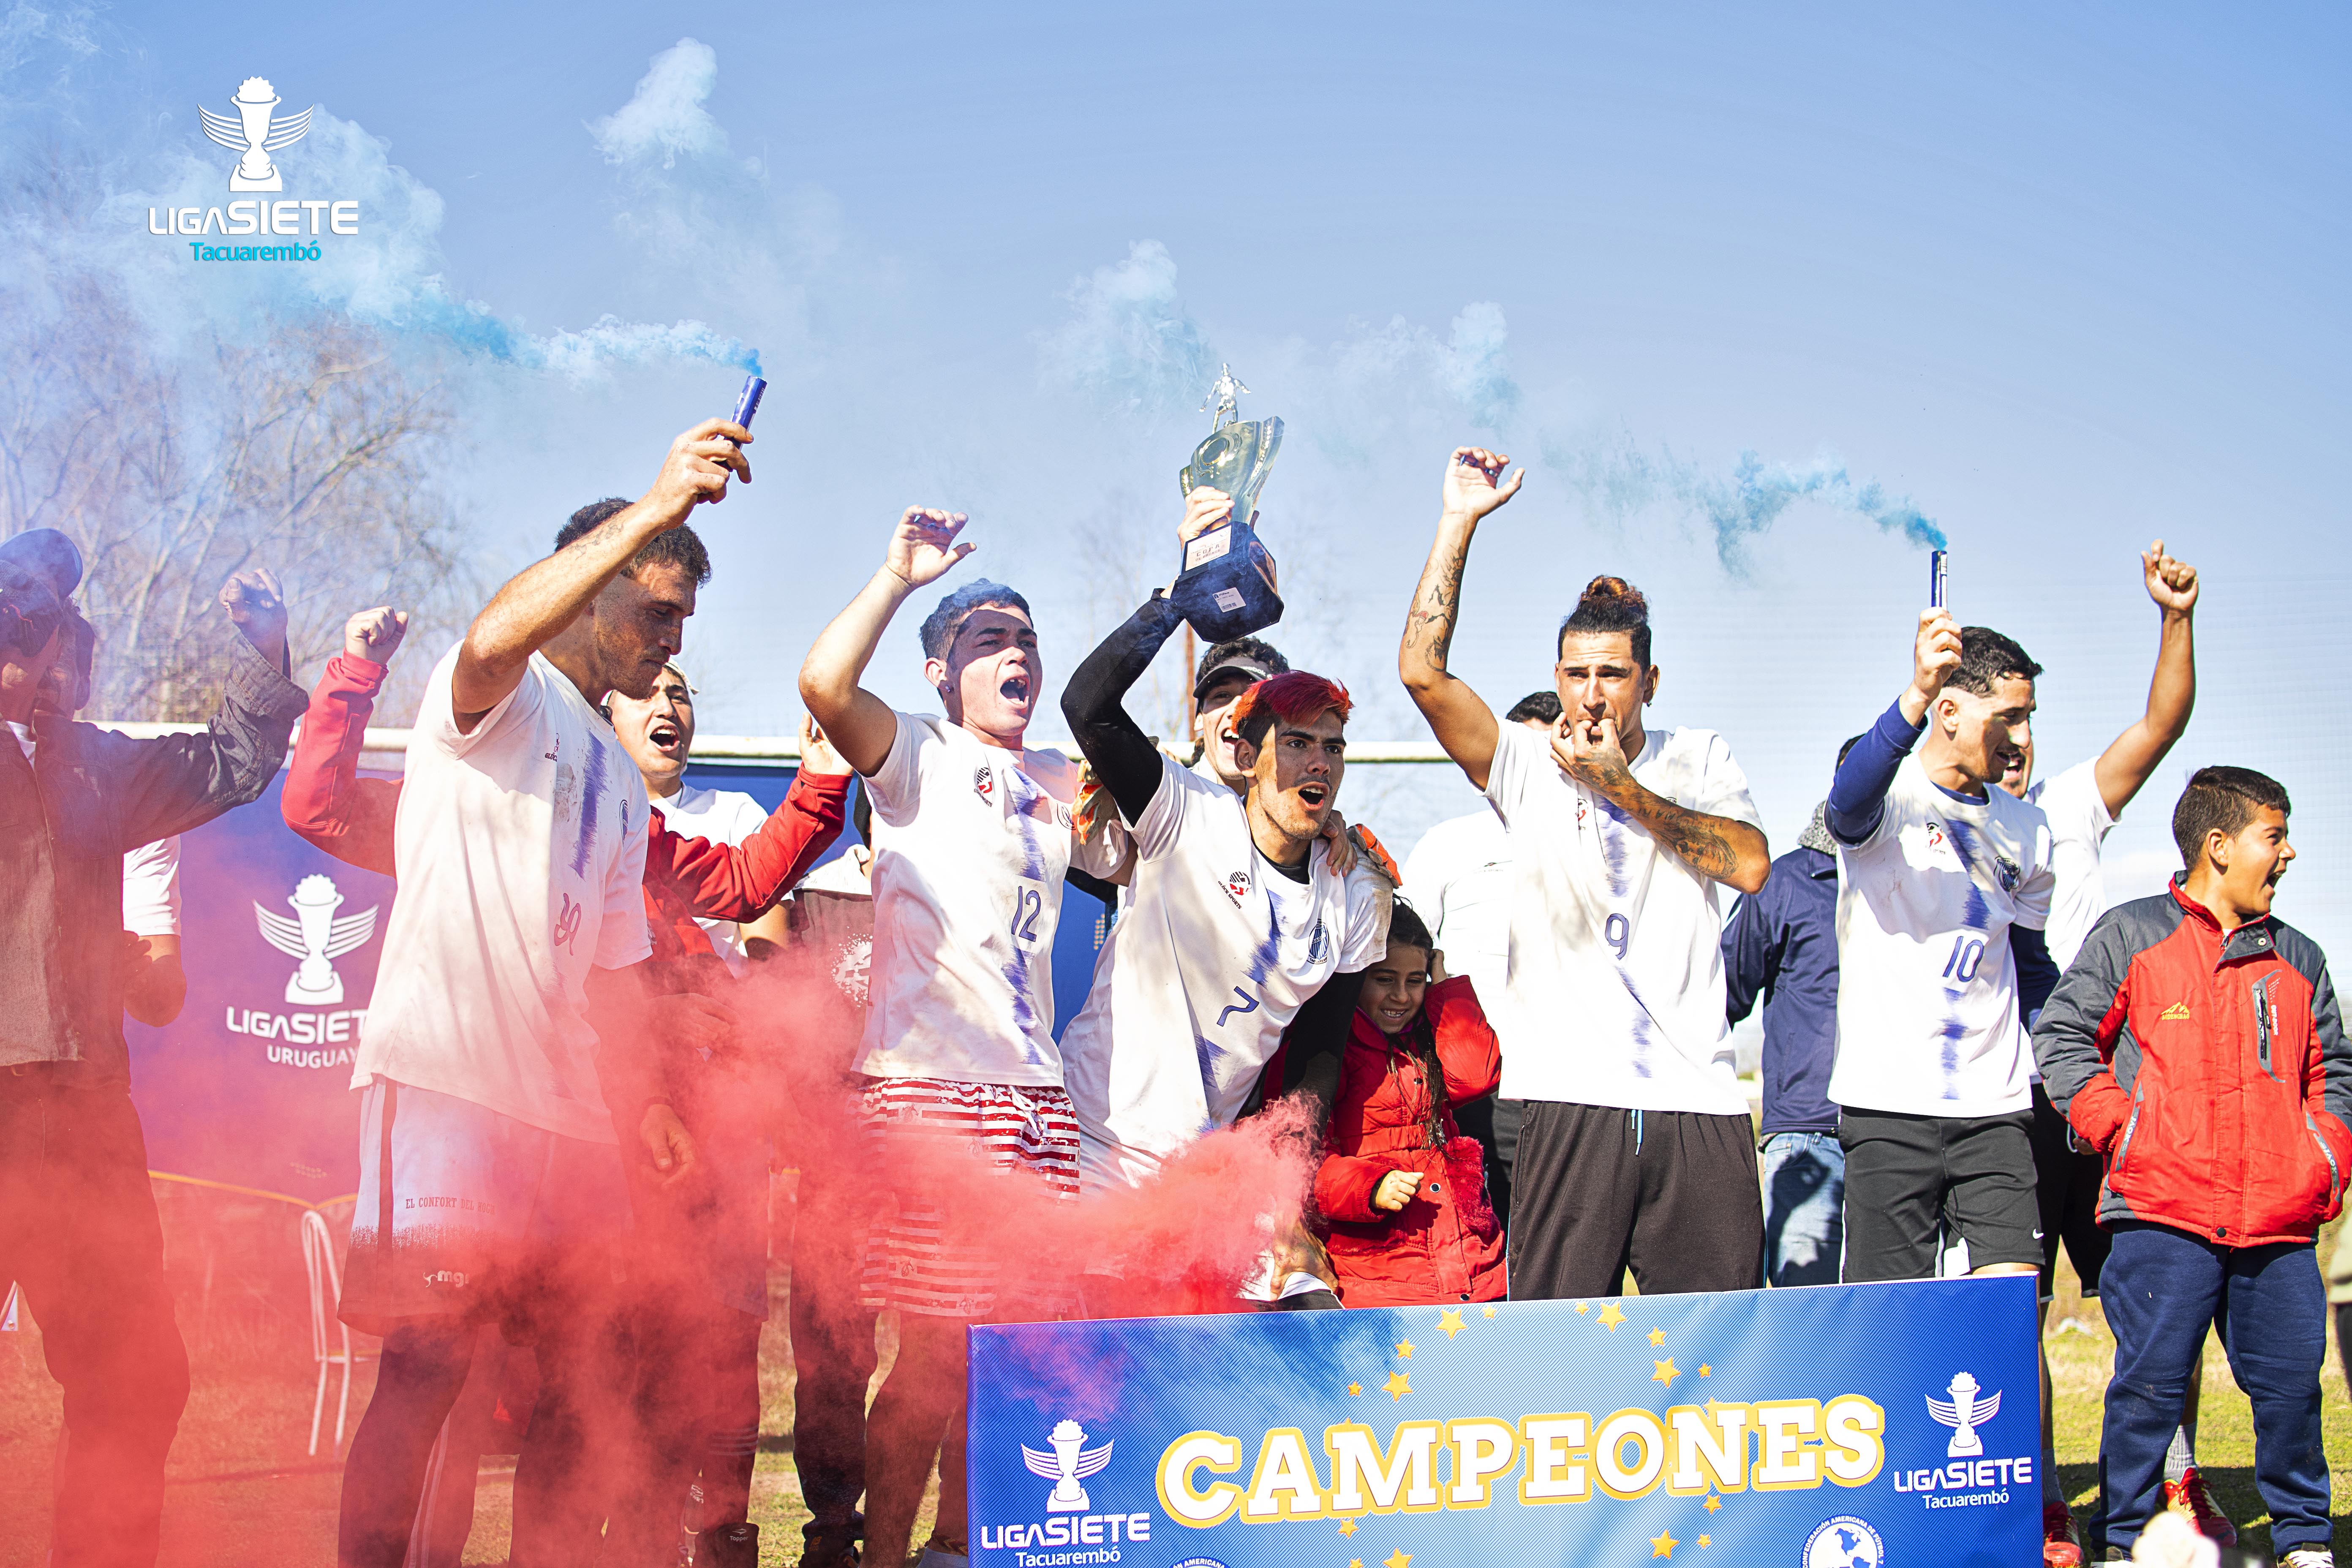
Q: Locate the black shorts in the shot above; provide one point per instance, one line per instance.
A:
(2066, 1179)
(1909, 1179)
(1671, 1195)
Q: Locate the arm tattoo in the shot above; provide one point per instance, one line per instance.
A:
(1430, 627)
(1698, 839)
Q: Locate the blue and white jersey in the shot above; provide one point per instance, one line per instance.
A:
(1927, 1021)
(1214, 955)
(1616, 988)
(971, 844)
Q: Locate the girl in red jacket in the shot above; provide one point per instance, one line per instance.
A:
(1403, 1193)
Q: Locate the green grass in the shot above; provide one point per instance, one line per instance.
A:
(243, 1493)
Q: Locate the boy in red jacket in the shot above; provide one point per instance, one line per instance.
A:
(1402, 1191)
(2196, 1043)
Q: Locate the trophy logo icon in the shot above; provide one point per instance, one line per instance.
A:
(251, 132)
(1069, 1462)
(1226, 588)
(316, 936)
(1964, 1413)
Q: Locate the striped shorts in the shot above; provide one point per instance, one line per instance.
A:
(920, 1130)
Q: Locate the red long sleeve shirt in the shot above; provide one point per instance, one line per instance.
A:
(350, 817)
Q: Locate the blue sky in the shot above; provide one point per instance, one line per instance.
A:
(2065, 281)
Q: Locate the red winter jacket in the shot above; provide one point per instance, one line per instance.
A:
(2211, 1070)
(1446, 1245)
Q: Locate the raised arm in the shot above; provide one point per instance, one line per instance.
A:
(1722, 849)
(1858, 795)
(1461, 720)
(177, 782)
(741, 882)
(2133, 755)
(1094, 702)
(544, 598)
(861, 726)
(325, 801)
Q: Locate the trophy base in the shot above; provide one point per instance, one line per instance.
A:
(274, 182)
(301, 996)
(1226, 589)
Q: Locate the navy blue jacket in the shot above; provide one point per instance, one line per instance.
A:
(1782, 943)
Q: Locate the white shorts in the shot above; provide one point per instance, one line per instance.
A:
(456, 1200)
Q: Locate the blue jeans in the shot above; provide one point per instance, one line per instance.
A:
(1804, 1207)
(2161, 1289)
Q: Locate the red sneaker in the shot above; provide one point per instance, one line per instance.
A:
(2061, 1538)
(2188, 1498)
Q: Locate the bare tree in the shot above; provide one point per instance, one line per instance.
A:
(312, 451)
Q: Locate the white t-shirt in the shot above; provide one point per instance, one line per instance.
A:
(1927, 1021)
(1458, 879)
(723, 817)
(971, 843)
(521, 854)
(1615, 990)
(150, 888)
(2079, 823)
(1211, 962)
(24, 733)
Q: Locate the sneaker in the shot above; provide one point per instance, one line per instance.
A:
(2308, 1557)
(2188, 1498)
(2061, 1537)
(828, 1546)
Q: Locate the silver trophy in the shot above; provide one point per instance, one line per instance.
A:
(1226, 588)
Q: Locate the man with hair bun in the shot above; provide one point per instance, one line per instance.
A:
(1636, 1149)
(1237, 928)
(2198, 1043)
(972, 838)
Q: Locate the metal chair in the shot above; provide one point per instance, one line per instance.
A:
(331, 1337)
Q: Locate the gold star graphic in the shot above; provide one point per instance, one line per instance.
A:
(1354, 1389)
(1611, 1317)
(1710, 1409)
(1396, 1559)
(1582, 1307)
(1657, 1336)
(1404, 1349)
(1355, 1562)
(1713, 1503)
(1347, 1527)
(1703, 1543)
(1705, 1370)
(1663, 1545)
(1668, 1372)
(1450, 1323)
(1490, 1311)
(1397, 1386)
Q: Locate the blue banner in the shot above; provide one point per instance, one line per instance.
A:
(1837, 1427)
(250, 1084)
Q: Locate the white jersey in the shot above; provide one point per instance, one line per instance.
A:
(723, 817)
(521, 853)
(2079, 823)
(150, 888)
(971, 844)
(1201, 976)
(1458, 879)
(1615, 990)
(1927, 1021)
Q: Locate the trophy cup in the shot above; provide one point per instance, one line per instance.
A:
(1226, 588)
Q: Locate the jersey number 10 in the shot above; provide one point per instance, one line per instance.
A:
(1968, 953)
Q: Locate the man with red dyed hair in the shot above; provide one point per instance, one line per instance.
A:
(1237, 929)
